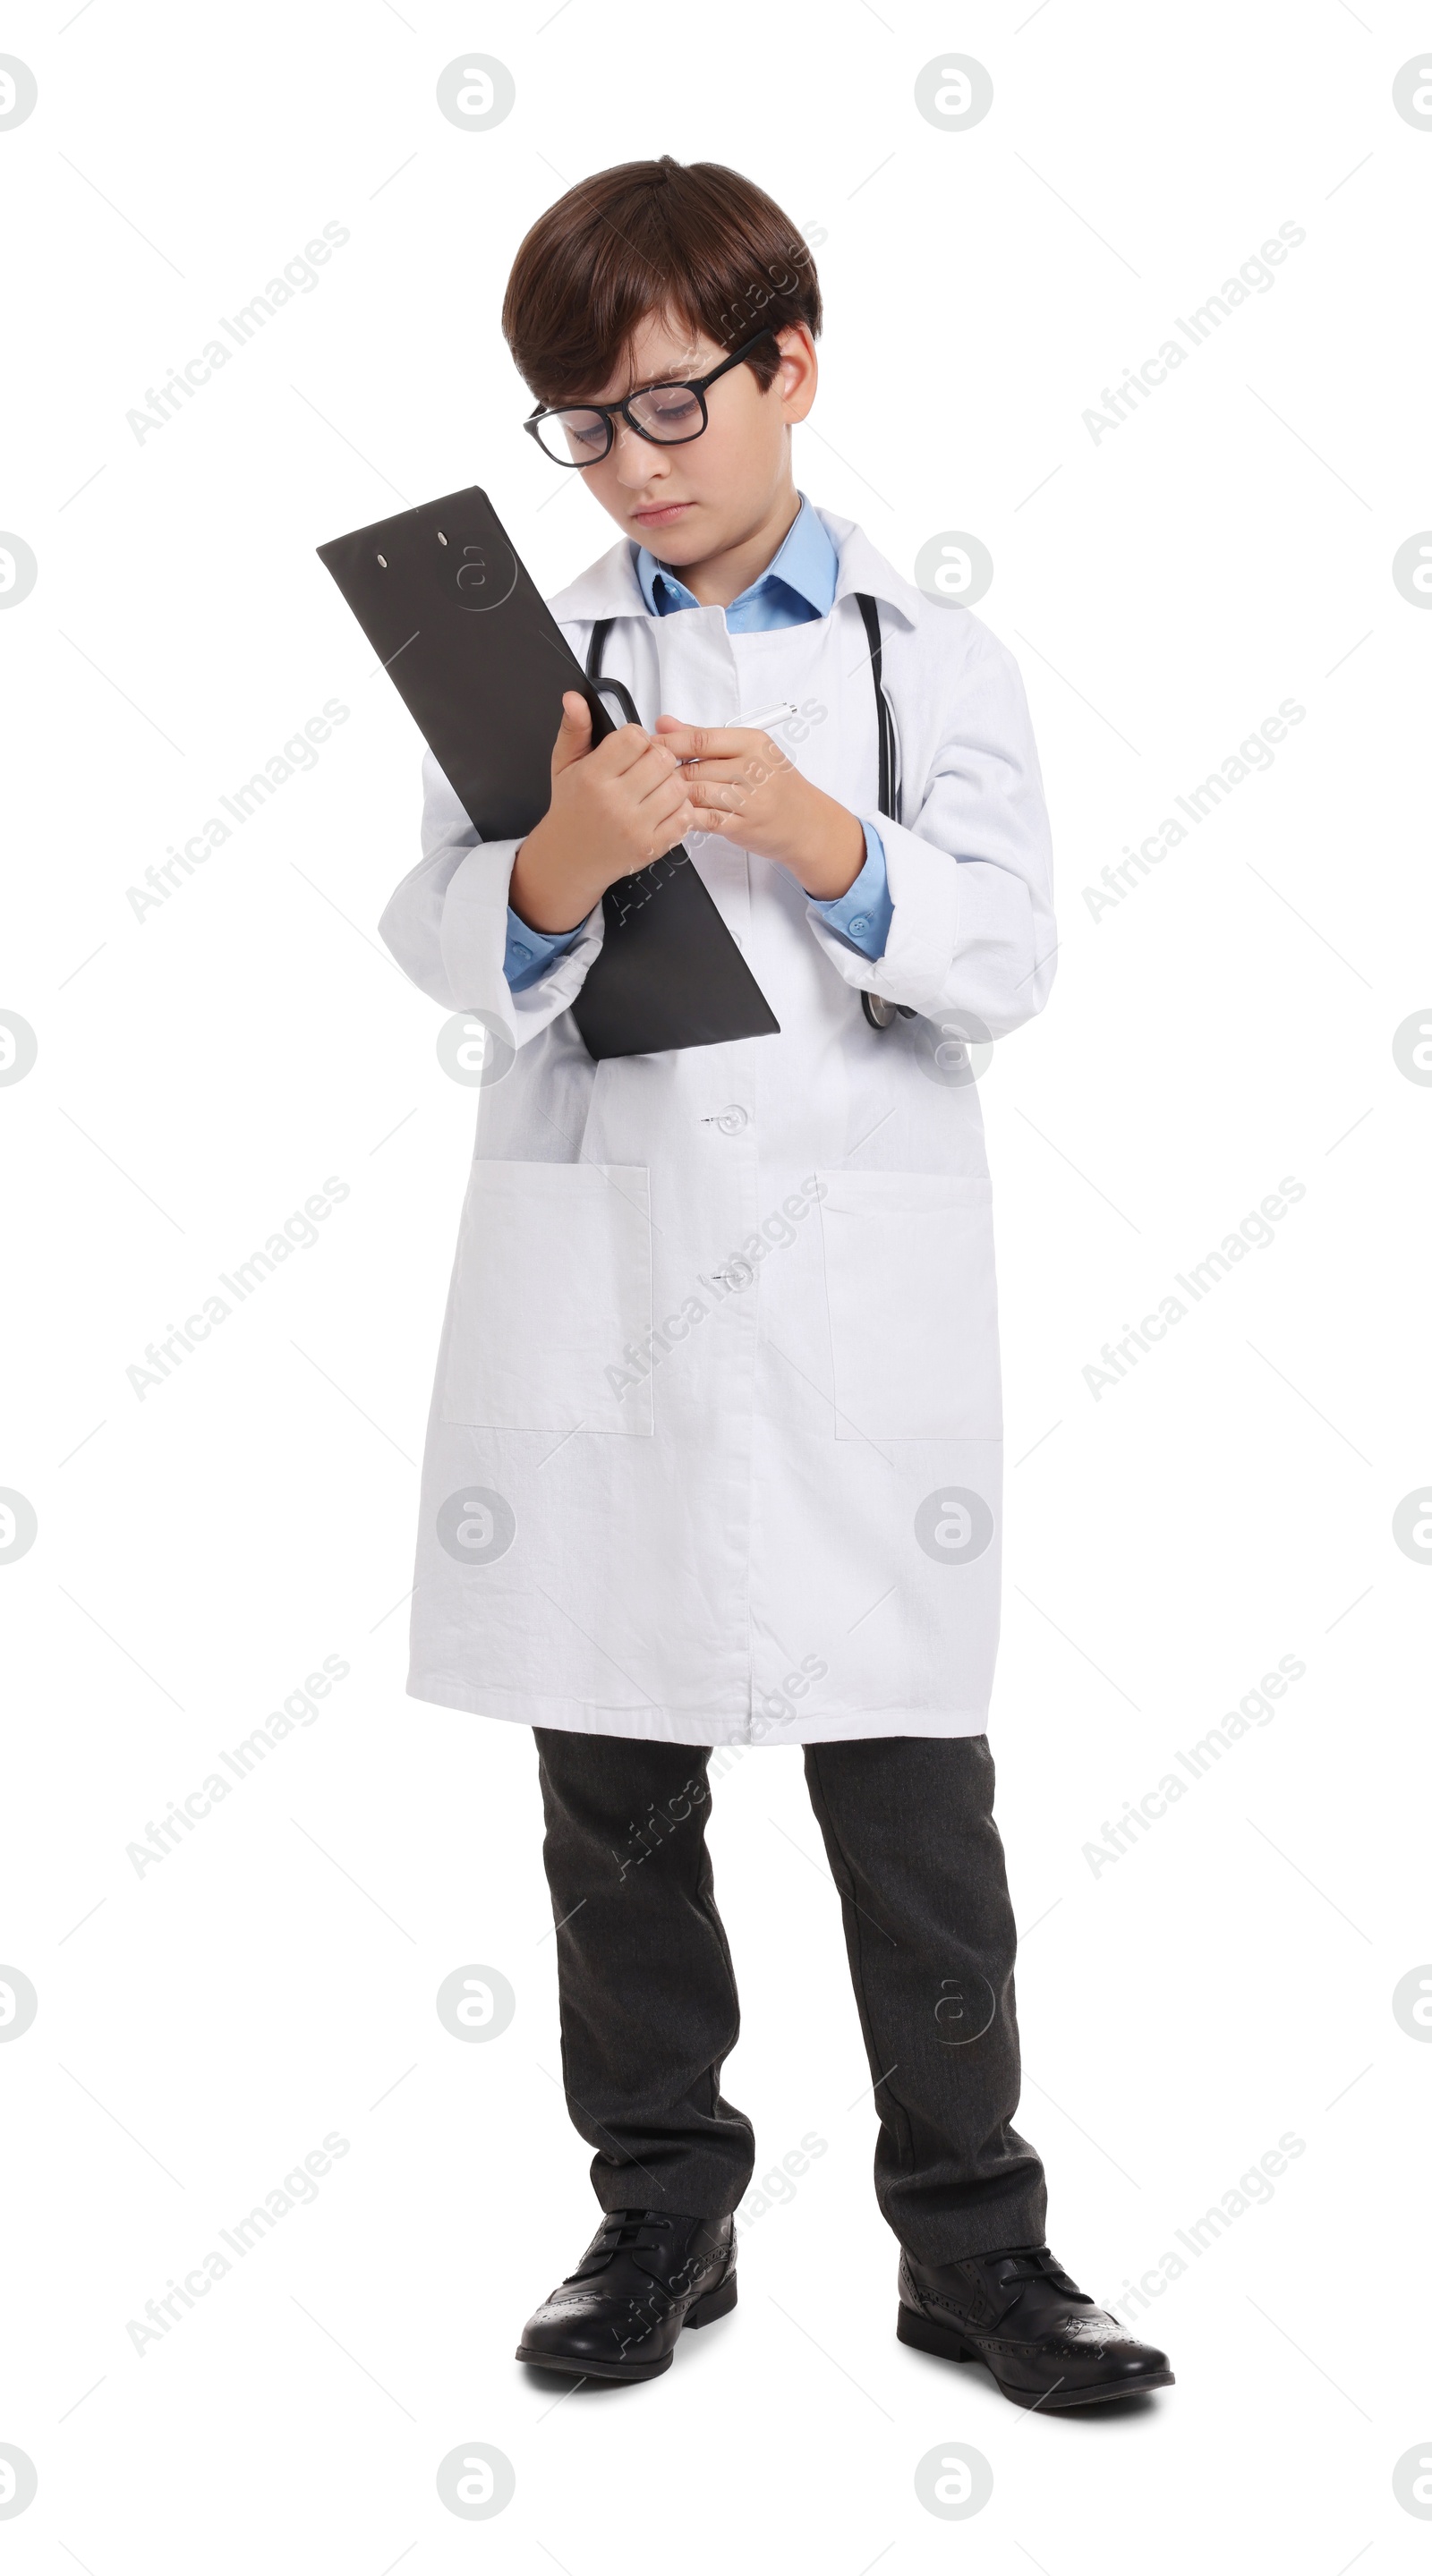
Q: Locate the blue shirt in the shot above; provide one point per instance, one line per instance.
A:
(797, 585)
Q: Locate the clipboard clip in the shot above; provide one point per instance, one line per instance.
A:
(619, 690)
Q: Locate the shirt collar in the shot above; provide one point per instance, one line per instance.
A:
(610, 588)
(806, 561)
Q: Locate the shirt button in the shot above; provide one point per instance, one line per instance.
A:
(732, 1120)
(519, 949)
(860, 922)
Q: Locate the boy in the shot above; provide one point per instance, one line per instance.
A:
(714, 1455)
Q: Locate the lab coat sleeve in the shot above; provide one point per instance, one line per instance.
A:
(972, 929)
(447, 923)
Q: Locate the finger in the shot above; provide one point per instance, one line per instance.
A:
(668, 799)
(715, 796)
(678, 826)
(623, 749)
(574, 734)
(716, 742)
(671, 829)
(731, 773)
(763, 761)
(654, 771)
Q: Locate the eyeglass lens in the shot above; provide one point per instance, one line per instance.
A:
(668, 413)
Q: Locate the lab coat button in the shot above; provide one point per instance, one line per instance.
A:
(732, 1120)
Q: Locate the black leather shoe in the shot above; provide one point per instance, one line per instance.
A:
(645, 2275)
(1043, 2341)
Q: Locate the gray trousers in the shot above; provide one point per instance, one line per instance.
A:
(648, 1993)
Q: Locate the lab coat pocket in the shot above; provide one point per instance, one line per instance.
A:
(910, 1285)
(553, 1281)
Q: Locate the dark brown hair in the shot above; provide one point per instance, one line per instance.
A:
(692, 239)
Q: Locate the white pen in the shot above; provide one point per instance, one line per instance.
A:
(765, 716)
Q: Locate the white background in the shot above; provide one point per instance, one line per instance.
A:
(203, 1069)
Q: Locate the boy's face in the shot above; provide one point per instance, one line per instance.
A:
(689, 502)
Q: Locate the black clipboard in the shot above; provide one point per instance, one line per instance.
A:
(480, 663)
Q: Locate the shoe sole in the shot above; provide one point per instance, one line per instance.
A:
(718, 2303)
(925, 2336)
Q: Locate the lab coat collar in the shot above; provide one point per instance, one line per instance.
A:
(610, 588)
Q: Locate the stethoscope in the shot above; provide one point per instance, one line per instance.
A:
(880, 1013)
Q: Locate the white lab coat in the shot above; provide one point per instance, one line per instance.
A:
(715, 1450)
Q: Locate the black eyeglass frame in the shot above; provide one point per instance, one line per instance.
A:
(696, 385)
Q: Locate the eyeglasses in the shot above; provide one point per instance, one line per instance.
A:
(669, 415)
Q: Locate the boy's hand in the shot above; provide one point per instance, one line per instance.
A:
(613, 810)
(744, 788)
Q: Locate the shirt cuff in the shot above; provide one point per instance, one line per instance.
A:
(530, 952)
(864, 914)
